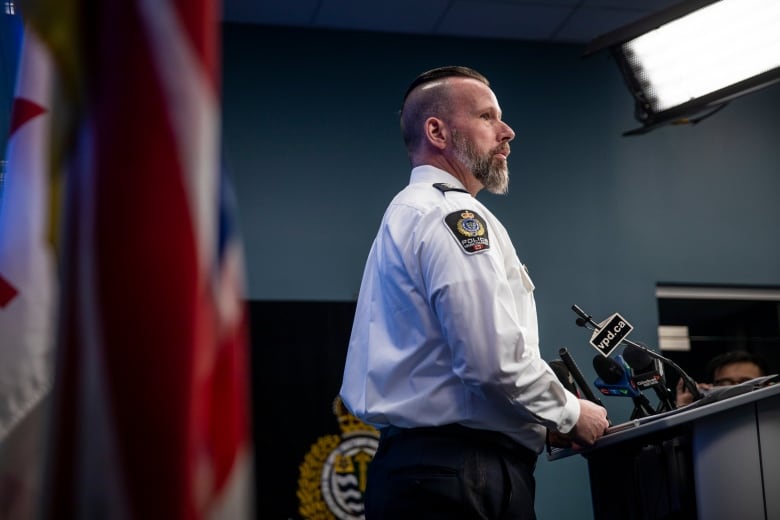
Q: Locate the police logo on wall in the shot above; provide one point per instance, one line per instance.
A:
(469, 230)
(333, 474)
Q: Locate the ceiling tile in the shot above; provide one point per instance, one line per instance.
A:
(270, 12)
(406, 16)
(548, 3)
(502, 20)
(642, 5)
(587, 24)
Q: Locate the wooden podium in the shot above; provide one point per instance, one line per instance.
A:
(716, 461)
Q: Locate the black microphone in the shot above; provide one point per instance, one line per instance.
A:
(576, 373)
(614, 380)
(690, 384)
(584, 319)
(554, 439)
(648, 372)
(564, 376)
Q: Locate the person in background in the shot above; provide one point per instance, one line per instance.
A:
(730, 368)
(444, 353)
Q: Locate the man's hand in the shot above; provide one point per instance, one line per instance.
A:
(684, 396)
(591, 425)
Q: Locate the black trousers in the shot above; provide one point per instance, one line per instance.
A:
(450, 473)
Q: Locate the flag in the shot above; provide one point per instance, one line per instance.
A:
(27, 285)
(150, 405)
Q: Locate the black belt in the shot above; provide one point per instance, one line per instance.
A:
(524, 454)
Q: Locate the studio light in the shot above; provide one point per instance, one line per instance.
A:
(686, 62)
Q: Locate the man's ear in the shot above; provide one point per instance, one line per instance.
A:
(436, 132)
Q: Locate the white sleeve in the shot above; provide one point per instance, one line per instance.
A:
(487, 314)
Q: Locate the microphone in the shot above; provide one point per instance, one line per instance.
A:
(576, 373)
(564, 376)
(584, 319)
(648, 372)
(614, 380)
(554, 439)
(690, 384)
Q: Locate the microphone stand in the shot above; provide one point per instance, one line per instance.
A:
(585, 319)
(642, 408)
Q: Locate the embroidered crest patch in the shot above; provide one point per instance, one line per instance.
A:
(469, 230)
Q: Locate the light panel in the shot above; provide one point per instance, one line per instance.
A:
(695, 56)
(710, 49)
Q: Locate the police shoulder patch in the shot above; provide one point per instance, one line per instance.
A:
(469, 229)
(445, 187)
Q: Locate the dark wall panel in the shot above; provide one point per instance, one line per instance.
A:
(298, 352)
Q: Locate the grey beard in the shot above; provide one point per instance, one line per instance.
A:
(493, 174)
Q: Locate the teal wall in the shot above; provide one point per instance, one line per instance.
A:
(312, 142)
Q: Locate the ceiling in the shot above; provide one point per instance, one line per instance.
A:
(558, 21)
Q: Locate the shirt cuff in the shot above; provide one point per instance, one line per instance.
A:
(570, 414)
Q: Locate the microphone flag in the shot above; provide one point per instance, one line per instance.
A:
(610, 333)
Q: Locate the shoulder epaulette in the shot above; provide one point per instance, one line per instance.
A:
(445, 187)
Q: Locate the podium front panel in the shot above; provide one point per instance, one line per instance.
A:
(727, 466)
(769, 436)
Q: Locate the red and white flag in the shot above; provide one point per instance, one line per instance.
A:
(26, 253)
(27, 285)
(151, 405)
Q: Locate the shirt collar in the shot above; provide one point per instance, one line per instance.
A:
(431, 174)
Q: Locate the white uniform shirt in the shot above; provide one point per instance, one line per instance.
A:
(445, 329)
